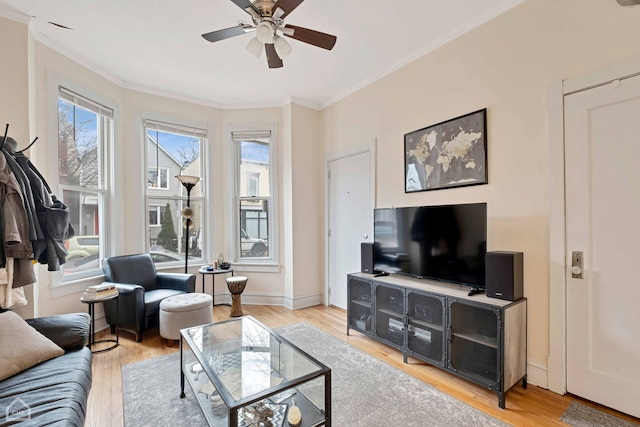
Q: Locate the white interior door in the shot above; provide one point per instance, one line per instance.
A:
(350, 220)
(602, 145)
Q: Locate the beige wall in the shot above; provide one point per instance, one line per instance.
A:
(307, 210)
(504, 66)
(16, 92)
(14, 80)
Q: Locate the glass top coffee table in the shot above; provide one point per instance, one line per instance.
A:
(245, 375)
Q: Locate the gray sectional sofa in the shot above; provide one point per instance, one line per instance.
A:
(54, 392)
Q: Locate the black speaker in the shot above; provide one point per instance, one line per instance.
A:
(366, 257)
(504, 275)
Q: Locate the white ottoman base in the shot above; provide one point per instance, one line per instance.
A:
(184, 311)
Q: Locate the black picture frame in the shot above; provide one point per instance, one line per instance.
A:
(449, 154)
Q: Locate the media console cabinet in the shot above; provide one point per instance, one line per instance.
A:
(478, 338)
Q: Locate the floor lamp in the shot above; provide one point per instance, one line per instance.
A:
(189, 182)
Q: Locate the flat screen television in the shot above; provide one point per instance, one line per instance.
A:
(446, 242)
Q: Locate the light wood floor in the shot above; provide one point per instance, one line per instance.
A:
(531, 407)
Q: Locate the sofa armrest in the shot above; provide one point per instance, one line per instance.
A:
(69, 331)
(178, 281)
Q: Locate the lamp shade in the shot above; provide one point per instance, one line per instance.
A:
(255, 47)
(283, 48)
(187, 180)
(265, 32)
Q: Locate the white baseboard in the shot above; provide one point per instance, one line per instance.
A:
(100, 322)
(537, 374)
(302, 302)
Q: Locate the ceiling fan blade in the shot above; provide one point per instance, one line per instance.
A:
(227, 33)
(287, 6)
(273, 59)
(247, 6)
(316, 38)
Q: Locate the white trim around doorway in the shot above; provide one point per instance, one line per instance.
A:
(556, 91)
(367, 147)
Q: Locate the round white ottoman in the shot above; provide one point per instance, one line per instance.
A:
(183, 311)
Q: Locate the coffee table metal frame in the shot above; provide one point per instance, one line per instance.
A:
(312, 416)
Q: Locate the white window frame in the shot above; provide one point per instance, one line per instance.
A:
(232, 216)
(108, 107)
(172, 125)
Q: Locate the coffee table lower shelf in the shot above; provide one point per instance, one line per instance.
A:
(216, 412)
(229, 381)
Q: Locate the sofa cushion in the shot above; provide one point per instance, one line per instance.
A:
(53, 393)
(21, 346)
(69, 331)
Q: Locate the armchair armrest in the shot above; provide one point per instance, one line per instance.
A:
(178, 281)
(128, 288)
(131, 306)
(69, 331)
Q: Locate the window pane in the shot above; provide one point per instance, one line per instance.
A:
(254, 168)
(155, 217)
(84, 247)
(84, 132)
(152, 180)
(254, 229)
(164, 178)
(167, 242)
(78, 150)
(170, 154)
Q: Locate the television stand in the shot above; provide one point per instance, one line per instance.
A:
(381, 274)
(474, 291)
(481, 339)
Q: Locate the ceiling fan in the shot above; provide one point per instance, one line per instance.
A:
(268, 23)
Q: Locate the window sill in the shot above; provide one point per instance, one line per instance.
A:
(240, 266)
(75, 286)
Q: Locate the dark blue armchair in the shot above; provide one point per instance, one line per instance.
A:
(141, 288)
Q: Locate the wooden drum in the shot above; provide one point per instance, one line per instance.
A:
(236, 285)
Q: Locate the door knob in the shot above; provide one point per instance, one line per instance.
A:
(366, 236)
(576, 264)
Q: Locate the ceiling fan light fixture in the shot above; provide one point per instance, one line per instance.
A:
(283, 48)
(264, 32)
(255, 47)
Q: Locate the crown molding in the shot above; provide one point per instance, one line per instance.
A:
(170, 95)
(15, 16)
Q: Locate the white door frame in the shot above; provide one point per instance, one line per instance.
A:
(557, 361)
(368, 147)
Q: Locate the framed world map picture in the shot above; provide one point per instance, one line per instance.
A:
(448, 154)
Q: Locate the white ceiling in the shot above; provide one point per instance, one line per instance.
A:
(156, 45)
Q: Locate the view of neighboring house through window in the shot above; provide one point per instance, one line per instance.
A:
(254, 195)
(173, 150)
(85, 130)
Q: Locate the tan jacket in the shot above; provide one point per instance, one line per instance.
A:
(17, 243)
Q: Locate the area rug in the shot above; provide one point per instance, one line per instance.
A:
(580, 415)
(366, 392)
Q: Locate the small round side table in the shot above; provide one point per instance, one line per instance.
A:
(92, 326)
